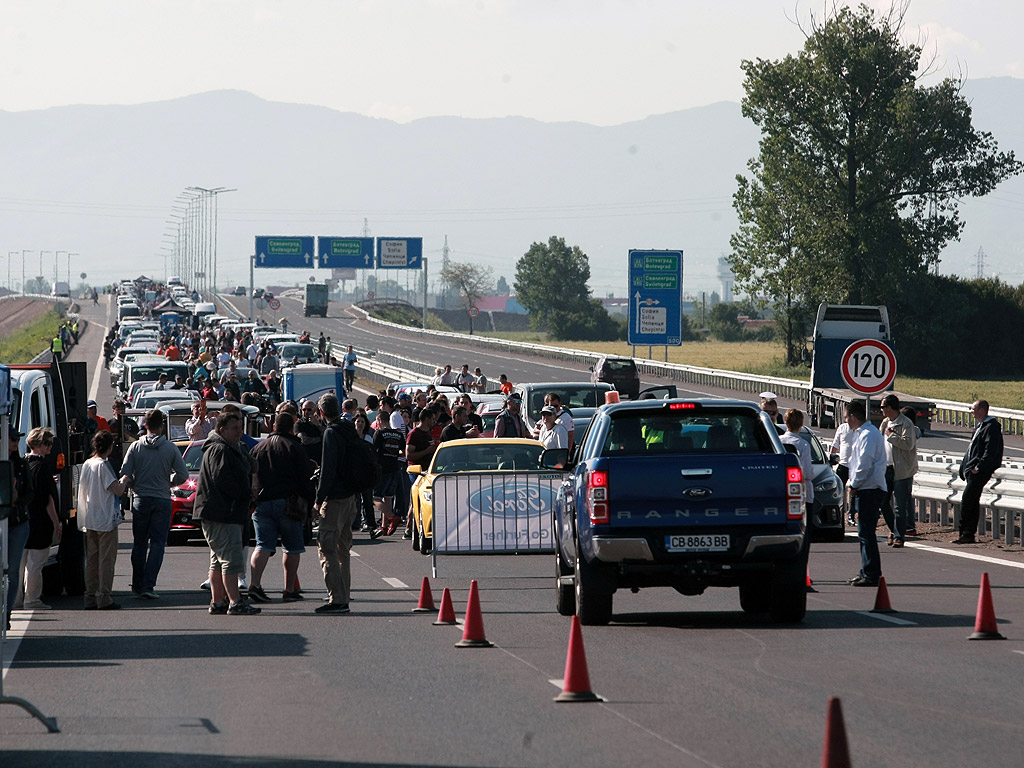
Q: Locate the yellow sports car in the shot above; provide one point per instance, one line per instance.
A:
(486, 454)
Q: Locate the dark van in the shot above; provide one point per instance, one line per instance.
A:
(620, 372)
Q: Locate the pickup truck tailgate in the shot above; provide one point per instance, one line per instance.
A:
(696, 490)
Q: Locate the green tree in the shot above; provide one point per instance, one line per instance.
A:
(469, 281)
(552, 277)
(861, 169)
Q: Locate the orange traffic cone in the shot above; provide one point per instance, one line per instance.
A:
(446, 616)
(985, 623)
(882, 604)
(810, 584)
(426, 602)
(836, 753)
(576, 686)
(473, 624)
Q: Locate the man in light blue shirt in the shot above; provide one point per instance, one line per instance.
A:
(867, 490)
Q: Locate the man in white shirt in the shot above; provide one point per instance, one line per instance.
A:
(867, 490)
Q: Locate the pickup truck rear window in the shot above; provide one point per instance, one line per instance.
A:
(639, 433)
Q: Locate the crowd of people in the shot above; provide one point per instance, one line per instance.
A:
(309, 465)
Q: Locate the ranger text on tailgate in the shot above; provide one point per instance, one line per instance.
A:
(686, 494)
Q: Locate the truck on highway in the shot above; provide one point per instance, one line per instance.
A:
(836, 327)
(687, 494)
(316, 300)
(55, 395)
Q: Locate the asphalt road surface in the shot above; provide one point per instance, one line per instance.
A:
(689, 681)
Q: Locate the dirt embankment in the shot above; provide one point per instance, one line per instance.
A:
(17, 313)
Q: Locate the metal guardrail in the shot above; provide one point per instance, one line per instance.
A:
(938, 493)
(946, 411)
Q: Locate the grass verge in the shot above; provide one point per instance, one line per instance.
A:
(24, 344)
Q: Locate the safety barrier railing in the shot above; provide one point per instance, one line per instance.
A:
(938, 495)
(946, 411)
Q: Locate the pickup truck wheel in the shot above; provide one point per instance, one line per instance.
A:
(565, 589)
(755, 597)
(593, 596)
(788, 603)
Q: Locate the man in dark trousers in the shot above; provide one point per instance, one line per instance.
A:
(983, 457)
(336, 505)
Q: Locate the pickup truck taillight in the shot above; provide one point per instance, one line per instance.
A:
(794, 493)
(597, 495)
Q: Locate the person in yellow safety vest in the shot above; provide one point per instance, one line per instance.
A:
(57, 347)
(74, 331)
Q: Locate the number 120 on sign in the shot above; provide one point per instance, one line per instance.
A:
(869, 366)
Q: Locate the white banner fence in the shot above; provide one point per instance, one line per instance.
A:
(494, 513)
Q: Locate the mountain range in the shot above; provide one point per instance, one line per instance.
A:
(100, 182)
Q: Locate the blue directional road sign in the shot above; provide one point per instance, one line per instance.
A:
(399, 252)
(293, 252)
(655, 289)
(345, 252)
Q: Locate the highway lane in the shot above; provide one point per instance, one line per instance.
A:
(688, 680)
(347, 329)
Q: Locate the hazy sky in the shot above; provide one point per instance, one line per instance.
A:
(595, 61)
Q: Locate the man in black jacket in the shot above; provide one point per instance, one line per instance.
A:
(284, 472)
(222, 506)
(336, 504)
(983, 457)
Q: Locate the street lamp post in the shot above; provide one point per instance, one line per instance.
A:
(213, 235)
(9, 255)
(23, 252)
(41, 275)
(56, 276)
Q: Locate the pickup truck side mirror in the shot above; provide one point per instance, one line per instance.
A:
(415, 469)
(555, 458)
(833, 459)
(590, 368)
(792, 449)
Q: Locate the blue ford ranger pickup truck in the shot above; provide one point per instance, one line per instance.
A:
(688, 494)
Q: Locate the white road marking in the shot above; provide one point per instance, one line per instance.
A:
(888, 617)
(963, 554)
(1021, 652)
(396, 583)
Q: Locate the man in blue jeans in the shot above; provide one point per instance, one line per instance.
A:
(867, 490)
(152, 466)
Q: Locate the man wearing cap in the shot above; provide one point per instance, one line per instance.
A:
(771, 407)
(552, 433)
(509, 422)
(101, 423)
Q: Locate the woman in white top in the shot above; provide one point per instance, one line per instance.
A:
(552, 433)
(99, 514)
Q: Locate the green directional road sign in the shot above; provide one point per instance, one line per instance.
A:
(284, 251)
(345, 252)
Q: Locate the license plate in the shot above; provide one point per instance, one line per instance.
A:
(718, 542)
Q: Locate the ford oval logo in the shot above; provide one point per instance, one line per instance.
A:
(500, 501)
(697, 493)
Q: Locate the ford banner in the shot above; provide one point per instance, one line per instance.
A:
(496, 512)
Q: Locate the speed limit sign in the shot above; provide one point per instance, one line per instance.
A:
(868, 366)
(474, 311)
(274, 304)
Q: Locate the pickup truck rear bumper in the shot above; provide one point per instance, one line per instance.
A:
(615, 550)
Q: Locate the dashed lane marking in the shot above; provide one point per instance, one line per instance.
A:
(887, 617)
(396, 583)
